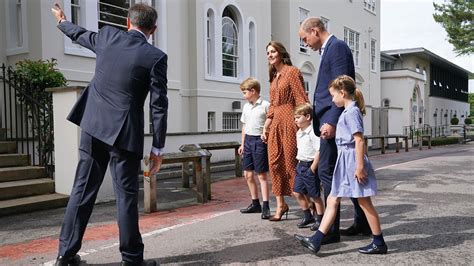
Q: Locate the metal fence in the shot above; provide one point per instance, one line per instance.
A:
(27, 122)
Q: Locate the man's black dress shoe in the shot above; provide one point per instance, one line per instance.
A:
(304, 222)
(331, 238)
(315, 226)
(374, 249)
(252, 209)
(354, 230)
(306, 242)
(143, 263)
(266, 214)
(66, 261)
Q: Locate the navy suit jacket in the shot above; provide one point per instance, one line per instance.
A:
(127, 69)
(337, 60)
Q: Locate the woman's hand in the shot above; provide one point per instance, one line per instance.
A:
(361, 175)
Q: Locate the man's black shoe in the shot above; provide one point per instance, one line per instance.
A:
(143, 263)
(305, 222)
(306, 242)
(66, 261)
(331, 238)
(374, 249)
(266, 214)
(252, 209)
(315, 226)
(354, 230)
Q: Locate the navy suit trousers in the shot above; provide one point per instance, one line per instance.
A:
(95, 155)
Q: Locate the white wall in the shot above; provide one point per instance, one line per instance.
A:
(460, 108)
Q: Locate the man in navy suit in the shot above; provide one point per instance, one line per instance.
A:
(336, 59)
(110, 114)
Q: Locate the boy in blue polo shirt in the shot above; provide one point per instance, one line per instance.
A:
(253, 150)
(307, 183)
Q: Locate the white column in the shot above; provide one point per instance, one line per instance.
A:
(66, 138)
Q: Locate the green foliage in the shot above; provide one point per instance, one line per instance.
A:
(39, 75)
(32, 78)
(456, 17)
(468, 121)
(454, 121)
(442, 141)
(471, 103)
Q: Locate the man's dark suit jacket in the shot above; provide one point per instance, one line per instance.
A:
(127, 68)
(337, 60)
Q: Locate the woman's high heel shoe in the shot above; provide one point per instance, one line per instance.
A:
(276, 218)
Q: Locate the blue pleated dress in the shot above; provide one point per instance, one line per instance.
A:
(344, 183)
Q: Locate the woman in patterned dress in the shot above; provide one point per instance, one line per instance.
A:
(286, 92)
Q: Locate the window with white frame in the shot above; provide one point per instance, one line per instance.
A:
(113, 13)
(325, 21)
(231, 121)
(303, 15)
(211, 121)
(75, 12)
(372, 55)
(230, 44)
(252, 52)
(210, 51)
(16, 26)
(352, 39)
(369, 5)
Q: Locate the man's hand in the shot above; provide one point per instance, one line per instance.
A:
(328, 131)
(241, 150)
(58, 12)
(155, 161)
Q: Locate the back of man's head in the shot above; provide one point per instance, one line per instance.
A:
(142, 16)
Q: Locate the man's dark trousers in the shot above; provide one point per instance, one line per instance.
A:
(327, 161)
(95, 155)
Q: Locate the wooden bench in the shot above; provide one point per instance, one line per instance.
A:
(226, 145)
(209, 146)
(383, 140)
(397, 138)
(198, 158)
(420, 141)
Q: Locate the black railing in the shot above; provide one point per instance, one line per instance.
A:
(26, 121)
(433, 131)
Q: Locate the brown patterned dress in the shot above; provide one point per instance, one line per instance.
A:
(286, 92)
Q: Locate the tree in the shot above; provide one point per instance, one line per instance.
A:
(456, 17)
(471, 103)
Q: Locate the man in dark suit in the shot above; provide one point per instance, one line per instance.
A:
(336, 59)
(110, 114)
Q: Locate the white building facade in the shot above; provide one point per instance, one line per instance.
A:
(212, 46)
(422, 89)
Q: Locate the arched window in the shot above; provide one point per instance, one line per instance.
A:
(210, 51)
(252, 52)
(230, 44)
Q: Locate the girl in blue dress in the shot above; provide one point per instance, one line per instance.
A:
(353, 176)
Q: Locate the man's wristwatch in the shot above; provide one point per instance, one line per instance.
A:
(61, 20)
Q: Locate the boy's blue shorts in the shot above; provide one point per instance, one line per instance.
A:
(255, 157)
(306, 182)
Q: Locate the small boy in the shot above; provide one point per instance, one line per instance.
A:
(307, 183)
(253, 150)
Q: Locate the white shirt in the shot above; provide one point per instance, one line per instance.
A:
(307, 143)
(254, 116)
(324, 44)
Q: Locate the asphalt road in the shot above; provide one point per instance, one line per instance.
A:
(425, 202)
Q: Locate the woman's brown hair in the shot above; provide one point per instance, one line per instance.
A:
(284, 56)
